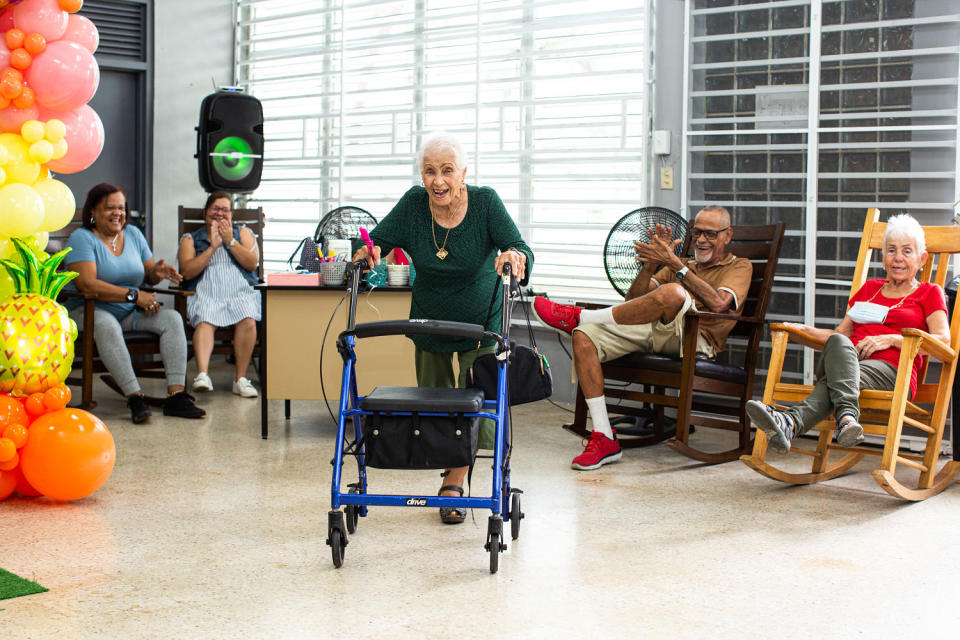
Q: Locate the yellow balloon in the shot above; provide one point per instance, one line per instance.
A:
(58, 202)
(19, 167)
(59, 148)
(7, 250)
(55, 130)
(41, 151)
(22, 210)
(4, 155)
(32, 130)
(3, 176)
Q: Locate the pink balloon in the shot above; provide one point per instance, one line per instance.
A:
(41, 16)
(4, 53)
(12, 118)
(6, 20)
(63, 77)
(84, 138)
(82, 31)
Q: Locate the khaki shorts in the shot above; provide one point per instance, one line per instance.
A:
(615, 340)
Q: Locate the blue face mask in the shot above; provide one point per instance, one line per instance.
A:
(868, 312)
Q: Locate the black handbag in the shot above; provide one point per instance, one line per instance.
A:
(309, 256)
(528, 376)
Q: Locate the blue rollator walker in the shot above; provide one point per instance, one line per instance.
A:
(420, 428)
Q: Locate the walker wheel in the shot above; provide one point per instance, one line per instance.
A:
(353, 515)
(336, 547)
(516, 515)
(495, 541)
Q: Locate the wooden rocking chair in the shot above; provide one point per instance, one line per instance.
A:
(882, 412)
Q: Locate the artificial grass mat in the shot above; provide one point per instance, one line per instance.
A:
(13, 586)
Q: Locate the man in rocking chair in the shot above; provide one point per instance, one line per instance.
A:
(651, 319)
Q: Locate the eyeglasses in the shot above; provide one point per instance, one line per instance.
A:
(710, 234)
(219, 209)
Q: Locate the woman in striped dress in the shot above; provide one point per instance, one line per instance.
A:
(219, 262)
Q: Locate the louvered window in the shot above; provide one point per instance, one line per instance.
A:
(812, 111)
(121, 26)
(548, 96)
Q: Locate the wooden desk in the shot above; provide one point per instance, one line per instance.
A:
(294, 319)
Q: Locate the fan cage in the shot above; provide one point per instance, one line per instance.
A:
(619, 258)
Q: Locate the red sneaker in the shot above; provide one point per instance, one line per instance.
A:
(600, 450)
(561, 317)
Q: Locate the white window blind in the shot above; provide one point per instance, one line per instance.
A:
(549, 98)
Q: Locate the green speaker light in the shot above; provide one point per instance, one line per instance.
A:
(232, 158)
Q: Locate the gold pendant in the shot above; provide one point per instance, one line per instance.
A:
(442, 253)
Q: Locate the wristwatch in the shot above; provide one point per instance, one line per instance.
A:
(681, 273)
(132, 295)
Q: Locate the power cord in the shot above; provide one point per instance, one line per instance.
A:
(323, 343)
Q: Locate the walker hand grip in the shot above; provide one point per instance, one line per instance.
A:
(421, 327)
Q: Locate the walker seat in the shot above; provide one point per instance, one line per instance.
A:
(420, 427)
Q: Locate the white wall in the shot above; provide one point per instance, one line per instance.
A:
(193, 43)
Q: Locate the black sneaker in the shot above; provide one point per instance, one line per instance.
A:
(139, 411)
(181, 405)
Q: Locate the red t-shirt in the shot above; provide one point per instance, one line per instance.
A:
(912, 314)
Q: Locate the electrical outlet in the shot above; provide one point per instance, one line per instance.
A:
(666, 178)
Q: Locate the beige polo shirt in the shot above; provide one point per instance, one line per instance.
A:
(731, 274)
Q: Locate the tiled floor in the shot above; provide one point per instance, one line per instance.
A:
(206, 531)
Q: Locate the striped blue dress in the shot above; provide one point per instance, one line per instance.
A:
(223, 296)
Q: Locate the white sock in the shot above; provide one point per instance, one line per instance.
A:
(598, 414)
(597, 316)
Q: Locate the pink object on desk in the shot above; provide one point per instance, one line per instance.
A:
(400, 256)
(284, 279)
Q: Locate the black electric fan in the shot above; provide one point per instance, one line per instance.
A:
(620, 259)
(343, 223)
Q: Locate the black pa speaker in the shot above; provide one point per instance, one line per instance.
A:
(230, 142)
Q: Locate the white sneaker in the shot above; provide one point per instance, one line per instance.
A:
(245, 388)
(202, 382)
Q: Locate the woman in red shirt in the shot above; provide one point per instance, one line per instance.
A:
(863, 352)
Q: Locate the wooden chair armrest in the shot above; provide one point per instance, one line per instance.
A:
(176, 291)
(798, 335)
(726, 316)
(931, 345)
(78, 294)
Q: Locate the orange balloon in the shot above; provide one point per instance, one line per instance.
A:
(14, 38)
(17, 433)
(35, 405)
(12, 73)
(8, 482)
(35, 43)
(11, 411)
(10, 88)
(25, 99)
(57, 397)
(20, 58)
(24, 488)
(70, 454)
(71, 6)
(8, 450)
(4, 101)
(11, 464)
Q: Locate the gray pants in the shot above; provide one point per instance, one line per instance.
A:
(837, 391)
(108, 336)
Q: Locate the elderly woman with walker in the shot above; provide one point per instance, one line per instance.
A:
(458, 237)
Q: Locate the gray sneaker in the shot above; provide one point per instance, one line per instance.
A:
(777, 425)
(850, 434)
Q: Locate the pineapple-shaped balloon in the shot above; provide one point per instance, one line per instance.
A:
(36, 334)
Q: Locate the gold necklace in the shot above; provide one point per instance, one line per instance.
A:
(899, 302)
(441, 251)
